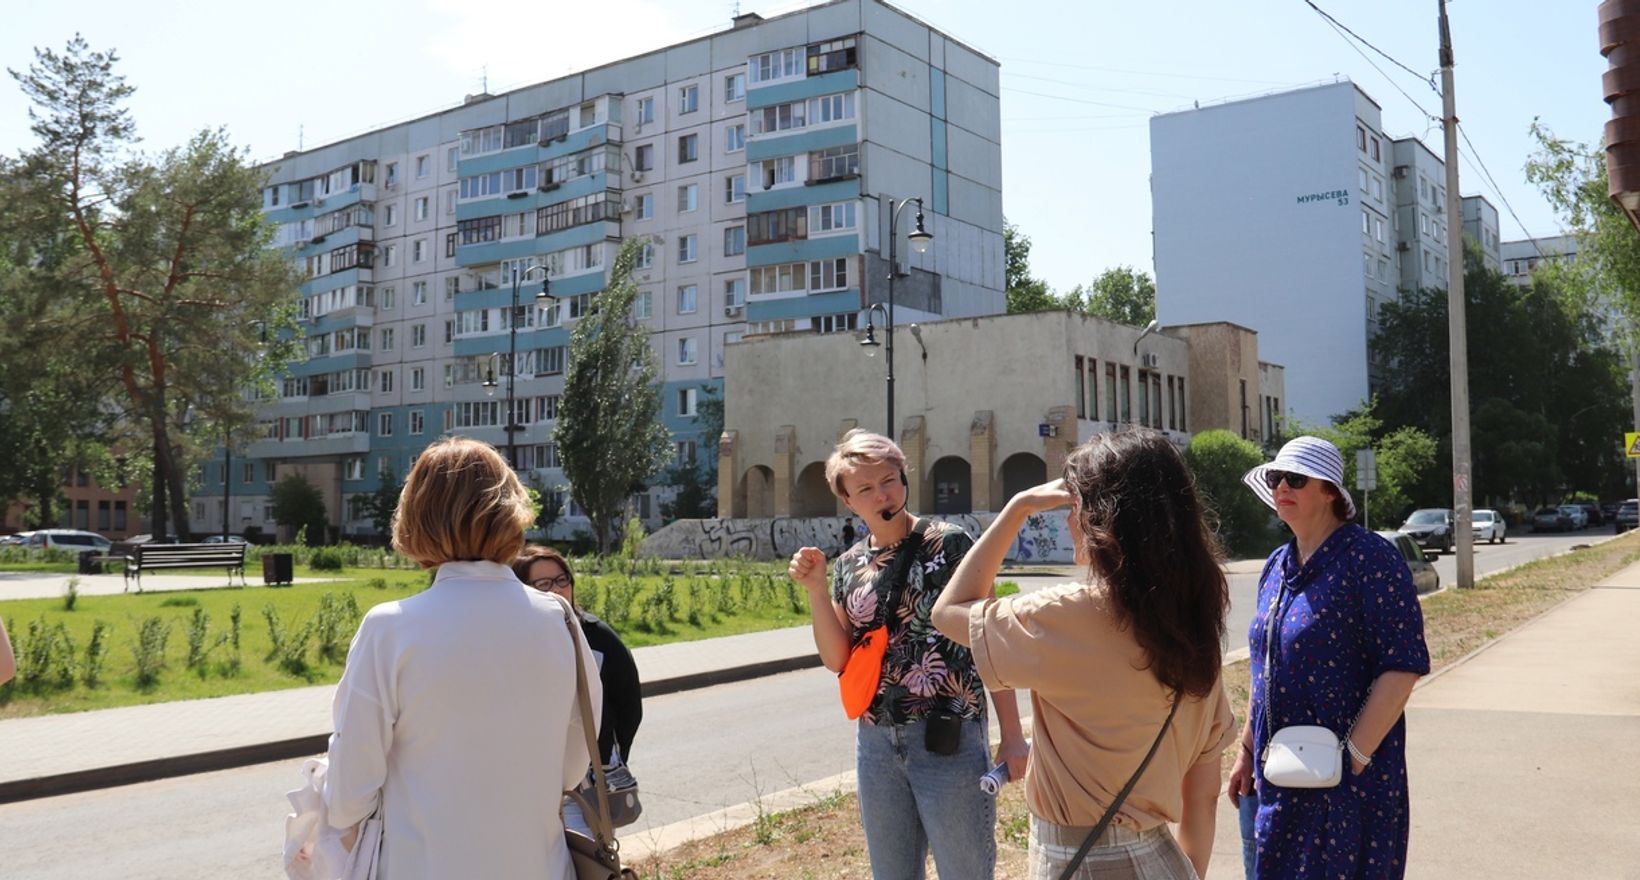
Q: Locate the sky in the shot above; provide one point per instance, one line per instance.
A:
(1079, 79)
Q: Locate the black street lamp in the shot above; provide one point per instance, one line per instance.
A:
(512, 356)
(920, 238)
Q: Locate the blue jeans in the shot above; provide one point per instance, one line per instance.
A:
(1249, 843)
(911, 800)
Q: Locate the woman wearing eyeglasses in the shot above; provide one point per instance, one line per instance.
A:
(1337, 641)
(545, 569)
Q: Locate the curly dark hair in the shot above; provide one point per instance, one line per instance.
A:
(1135, 501)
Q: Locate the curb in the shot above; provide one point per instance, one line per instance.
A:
(135, 772)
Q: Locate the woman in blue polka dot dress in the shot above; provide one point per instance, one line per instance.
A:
(1345, 648)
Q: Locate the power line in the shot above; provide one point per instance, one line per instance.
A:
(1426, 77)
(1476, 155)
(1082, 100)
(1345, 33)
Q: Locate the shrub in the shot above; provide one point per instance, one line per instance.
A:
(149, 650)
(96, 654)
(1218, 459)
(334, 624)
(63, 662)
(71, 593)
(326, 559)
(199, 629)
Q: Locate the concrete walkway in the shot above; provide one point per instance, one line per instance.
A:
(51, 585)
(1523, 756)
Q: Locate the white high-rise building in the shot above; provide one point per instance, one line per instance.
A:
(755, 163)
(1295, 214)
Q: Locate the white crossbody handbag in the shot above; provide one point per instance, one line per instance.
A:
(1299, 755)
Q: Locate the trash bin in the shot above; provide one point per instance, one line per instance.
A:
(89, 563)
(277, 568)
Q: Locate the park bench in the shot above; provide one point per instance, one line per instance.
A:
(139, 558)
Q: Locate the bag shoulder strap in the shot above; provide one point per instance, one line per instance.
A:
(1110, 812)
(603, 829)
(906, 556)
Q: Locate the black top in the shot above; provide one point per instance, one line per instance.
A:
(623, 701)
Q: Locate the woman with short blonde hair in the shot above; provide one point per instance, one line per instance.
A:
(432, 727)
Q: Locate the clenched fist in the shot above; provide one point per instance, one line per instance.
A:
(808, 569)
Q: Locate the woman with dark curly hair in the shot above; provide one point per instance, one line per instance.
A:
(1123, 668)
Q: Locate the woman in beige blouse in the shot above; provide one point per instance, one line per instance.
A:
(1105, 660)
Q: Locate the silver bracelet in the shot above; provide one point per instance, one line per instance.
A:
(1365, 760)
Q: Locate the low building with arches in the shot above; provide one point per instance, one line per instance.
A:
(985, 407)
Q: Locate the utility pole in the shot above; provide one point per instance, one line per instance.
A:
(1457, 325)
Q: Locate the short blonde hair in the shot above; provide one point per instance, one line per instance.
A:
(461, 502)
(860, 447)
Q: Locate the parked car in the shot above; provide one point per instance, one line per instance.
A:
(1424, 575)
(1608, 510)
(1488, 526)
(1628, 515)
(1578, 516)
(1551, 519)
(218, 539)
(72, 540)
(1591, 512)
(150, 539)
(1431, 527)
(14, 540)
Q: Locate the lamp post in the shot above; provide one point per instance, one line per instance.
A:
(513, 427)
(920, 239)
(227, 481)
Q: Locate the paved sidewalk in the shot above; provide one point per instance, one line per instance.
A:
(57, 754)
(50, 585)
(1523, 757)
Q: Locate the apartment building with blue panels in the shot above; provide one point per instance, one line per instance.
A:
(756, 164)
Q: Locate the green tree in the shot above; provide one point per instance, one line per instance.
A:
(1218, 458)
(1404, 456)
(300, 505)
(1025, 294)
(380, 505)
(170, 258)
(1572, 178)
(1121, 294)
(609, 433)
(696, 482)
(1546, 385)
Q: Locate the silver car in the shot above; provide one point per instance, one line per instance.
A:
(1424, 575)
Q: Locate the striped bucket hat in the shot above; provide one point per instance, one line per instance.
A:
(1310, 456)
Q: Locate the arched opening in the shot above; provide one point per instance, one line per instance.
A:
(1020, 472)
(759, 489)
(814, 496)
(952, 482)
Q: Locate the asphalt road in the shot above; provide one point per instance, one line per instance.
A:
(697, 752)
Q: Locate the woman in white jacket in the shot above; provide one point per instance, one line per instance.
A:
(457, 710)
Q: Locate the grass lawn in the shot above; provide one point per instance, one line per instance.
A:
(824, 841)
(696, 601)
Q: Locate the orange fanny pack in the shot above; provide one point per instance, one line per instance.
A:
(864, 669)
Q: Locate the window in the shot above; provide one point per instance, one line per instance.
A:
(734, 138)
(688, 198)
(781, 170)
(418, 250)
(452, 286)
(1375, 154)
(734, 241)
(549, 361)
(734, 87)
(643, 305)
(418, 336)
(734, 292)
(451, 156)
(392, 178)
(688, 248)
(1125, 389)
(586, 209)
(688, 299)
(834, 162)
(734, 189)
(421, 208)
(646, 257)
(389, 298)
(646, 111)
(1244, 408)
(836, 323)
(450, 245)
(390, 255)
(250, 472)
(1360, 138)
(580, 305)
(386, 383)
(776, 65)
(418, 379)
(1081, 389)
(644, 207)
(686, 400)
(390, 214)
(773, 226)
(779, 279)
(384, 425)
(643, 157)
(418, 293)
(688, 99)
(1093, 388)
(828, 274)
(686, 352)
(688, 148)
(831, 108)
(833, 55)
(686, 449)
(387, 339)
(829, 218)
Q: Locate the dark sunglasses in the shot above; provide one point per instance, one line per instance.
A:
(1294, 481)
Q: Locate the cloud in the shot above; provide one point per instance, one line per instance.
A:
(519, 42)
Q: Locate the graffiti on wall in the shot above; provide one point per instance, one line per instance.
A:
(1044, 539)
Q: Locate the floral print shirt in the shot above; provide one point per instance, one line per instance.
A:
(922, 669)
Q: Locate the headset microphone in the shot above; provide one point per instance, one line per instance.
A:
(887, 515)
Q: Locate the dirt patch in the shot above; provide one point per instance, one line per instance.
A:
(824, 841)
